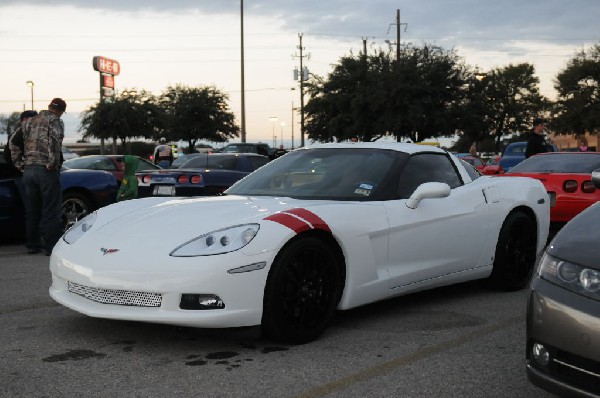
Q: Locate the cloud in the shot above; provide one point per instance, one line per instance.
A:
(473, 20)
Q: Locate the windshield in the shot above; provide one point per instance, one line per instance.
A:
(559, 163)
(321, 173)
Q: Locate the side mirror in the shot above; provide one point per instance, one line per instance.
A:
(596, 178)
(428, 190)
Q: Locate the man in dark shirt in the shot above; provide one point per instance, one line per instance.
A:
(42, 137)
(536, 143)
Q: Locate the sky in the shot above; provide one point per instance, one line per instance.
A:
(197, 43)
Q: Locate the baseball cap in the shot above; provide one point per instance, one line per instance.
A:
(58, 104)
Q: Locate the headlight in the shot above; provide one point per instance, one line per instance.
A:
(79, 228)
(578, 279)
(218, 242)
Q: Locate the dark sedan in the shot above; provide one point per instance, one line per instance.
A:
(114, 164)
(563, 312)
(83, 192)
(203, 175)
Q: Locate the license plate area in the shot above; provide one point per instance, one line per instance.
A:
(163, 190)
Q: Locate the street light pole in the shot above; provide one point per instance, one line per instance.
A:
(243, 114)
(30, 84)
(273, 119)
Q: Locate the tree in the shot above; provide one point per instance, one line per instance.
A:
(130, 114)
(430, 80)
(371, 96)
(513, 100)
(8, 124)
(577, 108)
(197, 113)
(349, 104)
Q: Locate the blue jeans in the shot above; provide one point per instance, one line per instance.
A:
(43, 209)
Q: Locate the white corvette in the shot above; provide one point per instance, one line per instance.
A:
(326, 227)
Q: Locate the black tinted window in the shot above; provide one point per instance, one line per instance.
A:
(471, 171)
(196, 162)
(559, 163)
(257, 162)
(222, 162)
(426, 167)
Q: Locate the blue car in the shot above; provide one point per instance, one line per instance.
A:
(83, 192)
(202, 175)
(514, 153)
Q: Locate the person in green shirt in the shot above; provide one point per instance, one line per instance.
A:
(129, 185)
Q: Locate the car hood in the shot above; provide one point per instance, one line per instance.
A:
(172, 221)
(577, 241)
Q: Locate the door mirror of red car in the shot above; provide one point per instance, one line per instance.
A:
(596, 178)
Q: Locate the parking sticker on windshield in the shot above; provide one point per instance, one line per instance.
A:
(364, 189)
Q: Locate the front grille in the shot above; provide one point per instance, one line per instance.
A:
(568, 368)
(119, 297)
(576, 370)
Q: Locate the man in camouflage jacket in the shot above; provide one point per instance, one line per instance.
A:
(42, 137)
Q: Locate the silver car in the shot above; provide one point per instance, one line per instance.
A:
(563, 311)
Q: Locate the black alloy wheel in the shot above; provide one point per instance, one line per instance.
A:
(515, 257)
(302, 293)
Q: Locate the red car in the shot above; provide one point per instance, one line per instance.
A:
(480, 164)
(567, 178)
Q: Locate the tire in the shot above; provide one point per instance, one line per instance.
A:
(302, 291)
(515, 256)
(75, 206)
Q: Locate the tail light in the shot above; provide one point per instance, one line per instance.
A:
(145, 179)
(194, 179)
(588, 187)
(570, 186)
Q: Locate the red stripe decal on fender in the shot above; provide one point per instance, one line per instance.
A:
(316, 221)
(289, 221)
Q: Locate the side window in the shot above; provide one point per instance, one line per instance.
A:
(222, 162)
(103, 164)
(257, 162)
(471, 171)
(426, 167)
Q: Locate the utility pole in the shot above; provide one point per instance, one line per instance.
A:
(398, 35)
(293, 110)
(243, 120)
(364, 39)
(302, 75)
(398, 25)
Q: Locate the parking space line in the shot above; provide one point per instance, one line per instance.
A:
(378, 370)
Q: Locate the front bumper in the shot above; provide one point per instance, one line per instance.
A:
(567, 325)
(241, 293)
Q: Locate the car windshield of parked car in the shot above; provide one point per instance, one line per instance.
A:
(90, 163)
(559, 163)
(198, 161)
(144, 165)
(238, 148)
(516, 149)
(322, 173)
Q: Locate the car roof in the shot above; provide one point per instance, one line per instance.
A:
(395, 146)
(567, 153)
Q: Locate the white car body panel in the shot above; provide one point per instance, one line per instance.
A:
(388, 248)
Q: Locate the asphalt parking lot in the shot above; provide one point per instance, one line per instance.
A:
(459, 341)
